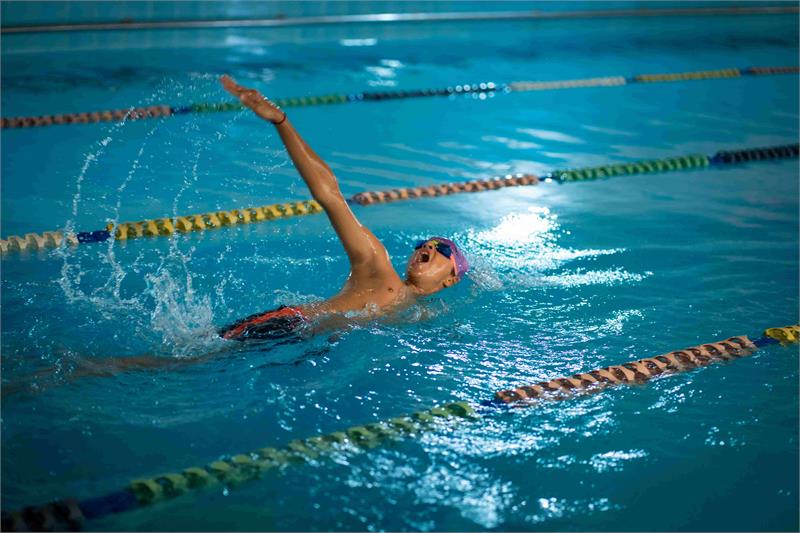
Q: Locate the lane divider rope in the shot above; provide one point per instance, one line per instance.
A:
(115, 115)
(217, 219)
(164, 226)
(443, 189)
(70, 514)
(650, 166)
(138, 113)
(167, 226)
(642, 370)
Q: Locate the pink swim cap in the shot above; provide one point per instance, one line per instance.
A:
(461, 263)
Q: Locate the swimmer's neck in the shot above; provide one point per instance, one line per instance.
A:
(412, 290)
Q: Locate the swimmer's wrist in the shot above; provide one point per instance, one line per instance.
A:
(281, 121)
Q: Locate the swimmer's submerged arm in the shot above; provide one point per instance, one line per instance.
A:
(365, 251)
(98, 367)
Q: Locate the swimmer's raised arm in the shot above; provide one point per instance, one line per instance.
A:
(366, 253)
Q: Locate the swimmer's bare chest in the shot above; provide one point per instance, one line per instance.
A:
(373, 296)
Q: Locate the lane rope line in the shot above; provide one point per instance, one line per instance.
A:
(232, 470)
(139, 113)
(164, 226)
(650, 166)
(70, 514)
(167, 226)
(642, 370)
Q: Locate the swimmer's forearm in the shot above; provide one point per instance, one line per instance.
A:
(315, 172)
(366, 253)
(317, 175)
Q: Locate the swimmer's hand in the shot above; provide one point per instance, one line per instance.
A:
(254, 100)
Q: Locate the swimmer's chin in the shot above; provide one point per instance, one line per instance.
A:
(422, 285)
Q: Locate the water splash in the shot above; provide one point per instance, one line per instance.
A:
(182, 319)
(166, 311)
(71, 274)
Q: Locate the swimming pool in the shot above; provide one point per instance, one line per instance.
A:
(568, 278)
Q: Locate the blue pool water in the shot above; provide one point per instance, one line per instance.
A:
(567, 277)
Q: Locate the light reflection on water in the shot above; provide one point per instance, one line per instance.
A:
(511, 253)
(511, 256)
(562, 283)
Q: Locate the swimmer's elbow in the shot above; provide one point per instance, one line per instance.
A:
(329, 197)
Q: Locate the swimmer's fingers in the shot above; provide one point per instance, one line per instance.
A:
(253, 99)
(249, 97)
(231, 86)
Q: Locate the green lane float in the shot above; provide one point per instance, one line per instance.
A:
(668, 164)
(70, 514)
(138, 113)
(650, 166)
(183, 224)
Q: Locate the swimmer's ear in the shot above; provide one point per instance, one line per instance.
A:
(450, 281)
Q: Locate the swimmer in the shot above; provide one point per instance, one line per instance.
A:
(373, 288)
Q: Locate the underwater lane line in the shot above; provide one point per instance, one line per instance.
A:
(156, 111)
(167, 226)
(70, 514)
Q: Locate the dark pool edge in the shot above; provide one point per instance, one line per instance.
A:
(399, 18)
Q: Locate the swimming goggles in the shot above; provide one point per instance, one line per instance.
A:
(444, 249)
(441, 247)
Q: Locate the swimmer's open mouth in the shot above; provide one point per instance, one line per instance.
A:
(424, 257)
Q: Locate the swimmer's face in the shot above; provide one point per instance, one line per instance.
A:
(429, 270)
